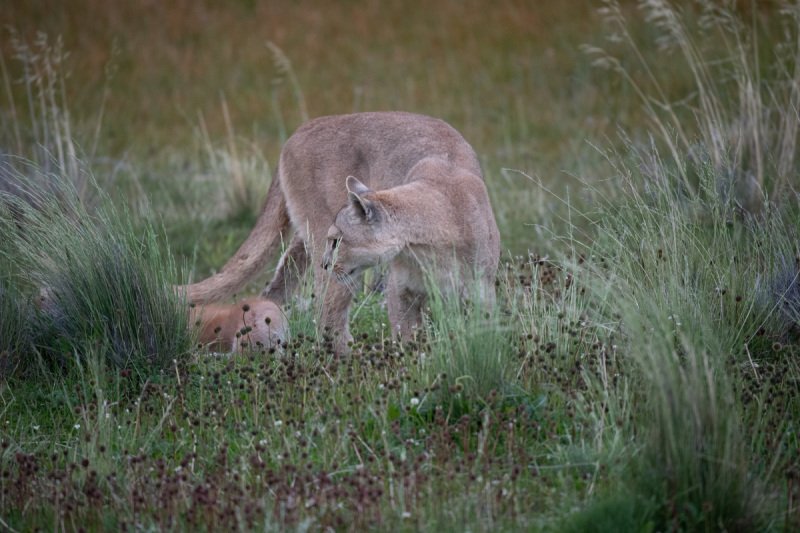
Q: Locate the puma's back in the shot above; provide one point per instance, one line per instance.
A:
(379, 148)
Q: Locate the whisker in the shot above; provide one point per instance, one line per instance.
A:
(350, 284)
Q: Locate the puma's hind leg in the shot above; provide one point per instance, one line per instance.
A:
(333, 309)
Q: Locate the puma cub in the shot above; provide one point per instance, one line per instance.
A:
(363, 189)
(252, 323)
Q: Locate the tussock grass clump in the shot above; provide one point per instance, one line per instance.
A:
(96, 280)
(685, 270)
(92, 276)
(696, 235)
(621, 512)
(781, 293)
(15, 326)
(468, 356)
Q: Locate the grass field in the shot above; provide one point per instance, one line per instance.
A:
(640, 372)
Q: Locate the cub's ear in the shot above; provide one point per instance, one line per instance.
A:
(357, 191)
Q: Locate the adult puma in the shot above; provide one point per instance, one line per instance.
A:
(421, 203)
(252, 323)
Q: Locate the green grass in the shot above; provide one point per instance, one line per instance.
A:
(15, 329)
(86, 282)
(638, 374)
(694, 312)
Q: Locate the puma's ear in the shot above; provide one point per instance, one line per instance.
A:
(357, 191)
(356, 187)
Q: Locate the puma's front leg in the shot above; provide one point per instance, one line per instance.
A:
(290, 270)
(333, 309)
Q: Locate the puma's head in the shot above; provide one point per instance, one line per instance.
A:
(364, 233)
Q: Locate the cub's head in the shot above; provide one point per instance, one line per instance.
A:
(364, 233)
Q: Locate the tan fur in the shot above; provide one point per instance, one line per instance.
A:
(252, 323)
(431, 211)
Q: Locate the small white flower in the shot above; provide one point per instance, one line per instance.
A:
(36, 428)
(414, 401)
(278, 423)
(77, 426)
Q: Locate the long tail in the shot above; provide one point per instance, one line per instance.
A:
(252, 255)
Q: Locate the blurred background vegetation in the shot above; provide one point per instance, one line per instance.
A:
(178, 100)
(184, 105)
